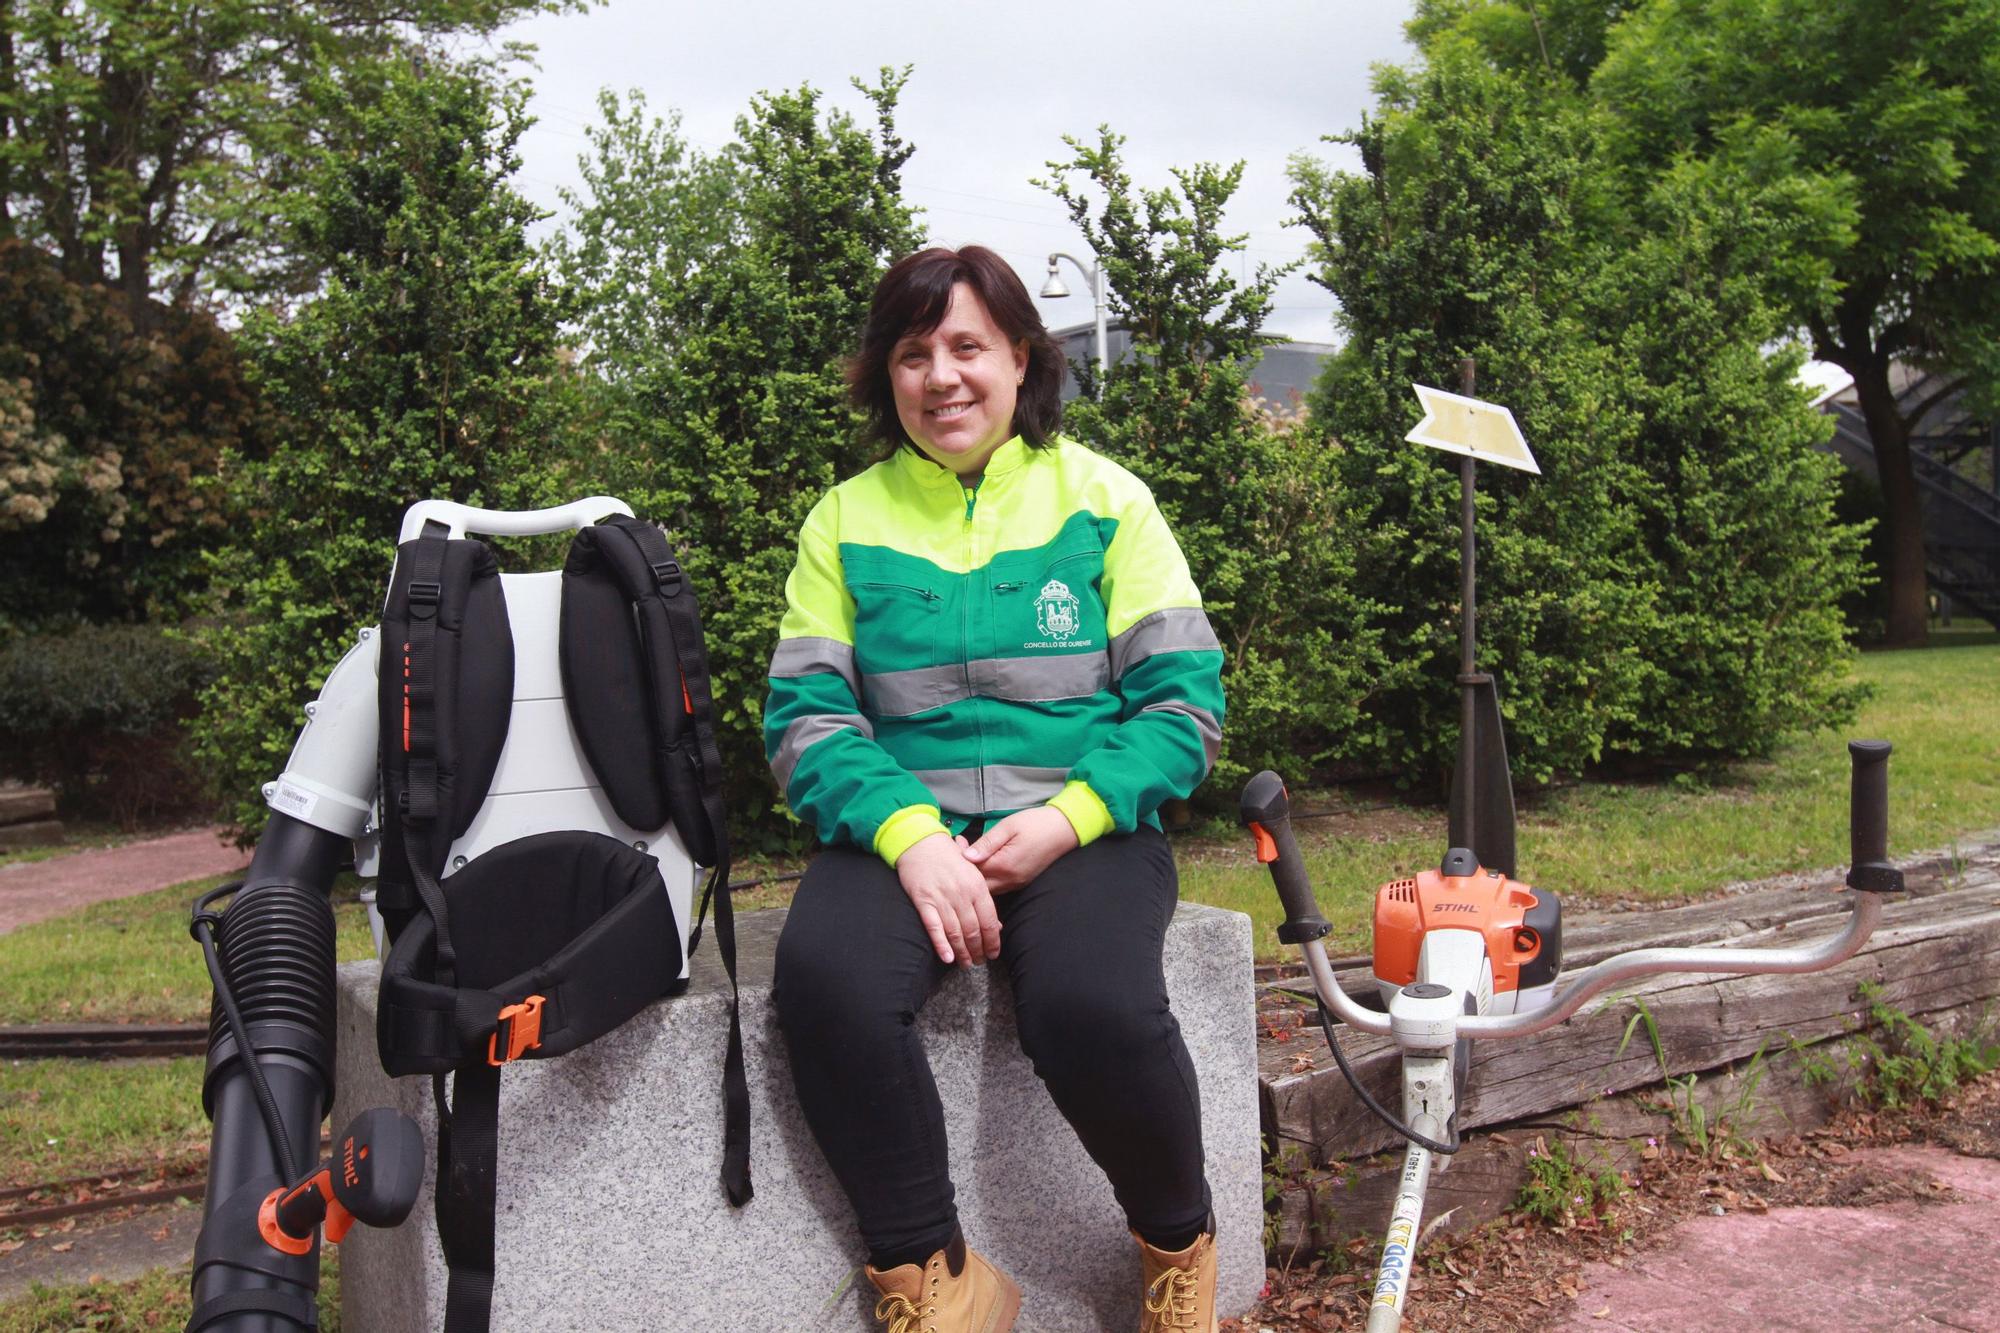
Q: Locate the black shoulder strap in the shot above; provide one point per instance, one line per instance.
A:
(683, 686)
(468, 1161)
(419, 802)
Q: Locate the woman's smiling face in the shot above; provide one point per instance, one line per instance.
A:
(954, 385)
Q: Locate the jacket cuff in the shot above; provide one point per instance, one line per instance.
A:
(904, 829)
(1084, 809)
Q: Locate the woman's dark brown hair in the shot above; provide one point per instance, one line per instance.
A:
(912, 298)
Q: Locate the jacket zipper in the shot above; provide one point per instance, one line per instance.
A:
(925, 593)
(965, 644)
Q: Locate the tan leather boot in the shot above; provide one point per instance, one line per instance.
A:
(1180, 1286)
(955, 1291)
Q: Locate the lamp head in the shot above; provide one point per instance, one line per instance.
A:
(1053, 289)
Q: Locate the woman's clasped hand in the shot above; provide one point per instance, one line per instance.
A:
(951, 881)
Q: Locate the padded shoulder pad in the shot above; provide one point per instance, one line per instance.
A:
(635, 675)
(470, 688)
(605, 682)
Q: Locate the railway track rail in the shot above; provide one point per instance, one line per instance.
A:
(102, 1191)
(20, 1206)
(101, 1041)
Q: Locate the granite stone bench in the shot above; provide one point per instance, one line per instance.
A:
(610, 1216)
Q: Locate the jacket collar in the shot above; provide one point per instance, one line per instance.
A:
(925, 473)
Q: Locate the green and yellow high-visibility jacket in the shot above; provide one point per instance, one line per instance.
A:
(951, 654)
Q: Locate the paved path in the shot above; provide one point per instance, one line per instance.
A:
(115, 1251)
(1905, 1265)
(37, 890)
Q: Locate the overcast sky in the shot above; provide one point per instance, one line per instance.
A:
(995, 87)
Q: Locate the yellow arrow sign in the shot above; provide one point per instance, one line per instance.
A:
(1462, 425)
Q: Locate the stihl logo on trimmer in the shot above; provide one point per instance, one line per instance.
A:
(1454, 907)
(347, 1171)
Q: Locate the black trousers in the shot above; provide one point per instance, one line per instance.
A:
(1081, 946)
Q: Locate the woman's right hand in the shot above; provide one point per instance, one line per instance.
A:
(951, 899)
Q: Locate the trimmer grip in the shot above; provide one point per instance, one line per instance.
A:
(1266, 810)
(1868, 820)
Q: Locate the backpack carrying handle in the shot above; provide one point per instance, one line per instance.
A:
(461, 519)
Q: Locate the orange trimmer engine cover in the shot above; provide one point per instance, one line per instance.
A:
(1522, 925)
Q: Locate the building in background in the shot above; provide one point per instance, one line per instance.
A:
(1955, 456)
(1282, 378)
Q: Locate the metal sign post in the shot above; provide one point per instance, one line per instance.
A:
(1482, 791)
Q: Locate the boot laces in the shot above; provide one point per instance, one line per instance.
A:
(1172, 1298)
(897, 1311)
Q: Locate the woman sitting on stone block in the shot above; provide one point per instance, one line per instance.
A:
(993, 669)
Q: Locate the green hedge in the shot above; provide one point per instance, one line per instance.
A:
(1669, 588)
(98, 712)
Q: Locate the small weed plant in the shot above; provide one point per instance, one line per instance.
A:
(1816, 1068)
(1912, 1064)
(1282, 1169)
(1560, 1189)
(1290, 1170)
(1712, 1133)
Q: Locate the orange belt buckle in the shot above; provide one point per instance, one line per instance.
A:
(523, 1025)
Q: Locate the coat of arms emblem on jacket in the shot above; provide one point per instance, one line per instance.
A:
(1057, 612)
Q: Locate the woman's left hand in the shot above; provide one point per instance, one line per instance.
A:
(1021, 846)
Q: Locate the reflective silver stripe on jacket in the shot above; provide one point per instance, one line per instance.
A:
(1204, 721)
(811, 655)
(972, 791)
(807, 732)
(1178, 629)
(1014, 679)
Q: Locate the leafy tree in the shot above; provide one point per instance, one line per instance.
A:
(652, 211)
(1890, 105)
(1565, 38)
(426, 367)
(751, 405)
(1668, 587)
(156, 147)
(1246, 493)
(1741, 511)
(111, 433)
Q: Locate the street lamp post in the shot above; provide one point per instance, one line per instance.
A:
(1053, 289)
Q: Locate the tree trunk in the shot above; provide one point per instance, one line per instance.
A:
(1903, 576)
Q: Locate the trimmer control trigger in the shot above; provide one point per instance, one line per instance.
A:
(1266, 810)
(1267, 846)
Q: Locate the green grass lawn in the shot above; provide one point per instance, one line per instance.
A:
(1599, 843)
(159, 1300)
(131, 960)
(60, 1119)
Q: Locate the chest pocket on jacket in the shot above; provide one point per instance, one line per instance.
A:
(1053, 602)
(896, 617)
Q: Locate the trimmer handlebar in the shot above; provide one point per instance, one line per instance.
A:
(1266, 810)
